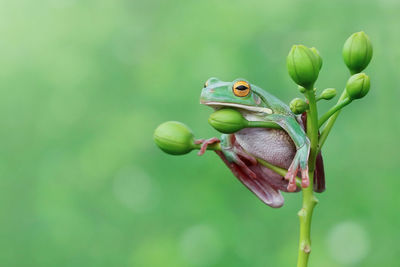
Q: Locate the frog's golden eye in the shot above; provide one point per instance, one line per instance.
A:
(241, 88)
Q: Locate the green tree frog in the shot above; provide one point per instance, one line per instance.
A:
(288, 148)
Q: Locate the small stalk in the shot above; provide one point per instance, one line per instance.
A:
(333, 110)
(332, 118)
(263, 124)
(331, 122)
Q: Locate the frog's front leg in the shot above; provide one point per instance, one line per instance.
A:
(235, 153)
(232, 153)
(205, 143)
(302, 143)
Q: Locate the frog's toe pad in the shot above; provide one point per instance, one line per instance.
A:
(291, 187)
(305, 180)
(291, 177)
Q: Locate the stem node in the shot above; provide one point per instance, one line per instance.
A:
(302, 213)
(307, 249)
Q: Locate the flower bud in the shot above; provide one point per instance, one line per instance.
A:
(227, 120)
(174, 138)
(303, 65)
(328, 93)
(298, 106)
(357, 52)
(357, 86)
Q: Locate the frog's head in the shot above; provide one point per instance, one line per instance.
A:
(238, 94)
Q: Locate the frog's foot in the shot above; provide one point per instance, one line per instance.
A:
(291, 177)
(205, 143)
(305, 179)
(300, 161)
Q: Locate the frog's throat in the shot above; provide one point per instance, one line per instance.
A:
(235, 105)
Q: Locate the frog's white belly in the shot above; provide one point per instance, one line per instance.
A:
(272, 145)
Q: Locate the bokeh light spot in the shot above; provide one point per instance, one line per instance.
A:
(348, 242)
(135, 189)
(201, 245)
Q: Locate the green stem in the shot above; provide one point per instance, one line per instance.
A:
(332, 119)
(309, 200)
(331, 122)
(333, 110)
(263, 124)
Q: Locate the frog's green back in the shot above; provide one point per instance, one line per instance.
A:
(277, 105)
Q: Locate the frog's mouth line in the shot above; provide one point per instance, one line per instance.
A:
(219, 105)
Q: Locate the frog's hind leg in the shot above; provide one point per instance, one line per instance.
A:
(257, 184)
(246, 168)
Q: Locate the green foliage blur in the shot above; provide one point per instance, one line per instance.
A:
(85, 83)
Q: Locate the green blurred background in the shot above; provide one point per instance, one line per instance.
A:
(84, 85)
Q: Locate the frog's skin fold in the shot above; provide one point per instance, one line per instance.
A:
(288, 148)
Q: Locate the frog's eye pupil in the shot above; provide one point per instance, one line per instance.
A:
(241, 87)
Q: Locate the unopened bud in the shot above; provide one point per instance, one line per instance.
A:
(227, 120)
(328, 93)
(174, 138)
(358, 86)
(303, 65)
(357, 52)
(298, 106)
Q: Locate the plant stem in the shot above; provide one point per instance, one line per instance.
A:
(334, 109)
(331, 122)
(309, 200)
(333, 118)
(263, 124)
